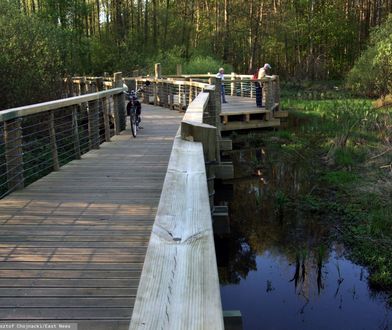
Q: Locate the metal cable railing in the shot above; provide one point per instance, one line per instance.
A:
(37, 139)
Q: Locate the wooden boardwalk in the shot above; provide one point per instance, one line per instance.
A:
(242, 113)
(72, 244)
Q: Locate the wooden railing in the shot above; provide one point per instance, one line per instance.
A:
(39, 138)
(180, 89)
(244, 86)
(179, 287)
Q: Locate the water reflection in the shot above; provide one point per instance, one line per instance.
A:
(281, 266)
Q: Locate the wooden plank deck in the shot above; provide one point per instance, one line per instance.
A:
(72, 245)
(242, 113)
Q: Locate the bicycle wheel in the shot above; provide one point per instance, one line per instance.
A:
(132, 118)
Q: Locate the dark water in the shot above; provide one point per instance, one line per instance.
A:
(282, 265)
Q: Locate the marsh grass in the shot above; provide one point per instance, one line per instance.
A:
(347, 142)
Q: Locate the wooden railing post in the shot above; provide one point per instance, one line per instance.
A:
(165, 94)
(14, 153)
(69, 90)
(119, 105)
(106, 119)
(146, 94)
(179, 97)
(232, 84)
(93, 122)
(190, 91)
(53, 143)
(75, 127)
(103, 111)
(171, 96)
(277, 92)
(211, 116)
(158, 72)
(162, 94)
(82, 86)
(241, 87)
(179, 69)
(156, 85)
(155, 91)
(269, 97)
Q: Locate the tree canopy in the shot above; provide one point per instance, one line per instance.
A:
(302, 39)
(372, 72)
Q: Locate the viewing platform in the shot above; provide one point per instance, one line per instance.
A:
(241, 113)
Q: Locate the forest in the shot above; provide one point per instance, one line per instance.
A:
(334, 60)
(44, 40)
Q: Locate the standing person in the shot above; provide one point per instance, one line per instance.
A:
(257, 87)
(221, 75)
(263, 74)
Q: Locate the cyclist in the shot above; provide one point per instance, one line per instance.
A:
(133, 100)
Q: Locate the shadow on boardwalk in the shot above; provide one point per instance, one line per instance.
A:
(72, 244)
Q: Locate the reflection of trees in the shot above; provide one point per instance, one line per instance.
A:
(235, 258)
(259, 222)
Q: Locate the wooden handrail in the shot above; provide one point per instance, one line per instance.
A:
(93, 108)
(179, 286)
(193, 128)
(52, 105)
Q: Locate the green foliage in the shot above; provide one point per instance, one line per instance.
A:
(370, 238)
(337, 178)
(372, 73)
(204, 64)
(281, 199)
(284, 134)
(30, 58)
(360, 191)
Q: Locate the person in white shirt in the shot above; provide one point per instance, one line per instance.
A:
(221, 75)
(259, 91)
(263, 71)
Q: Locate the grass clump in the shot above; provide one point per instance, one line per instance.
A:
(349, 143)
(336, 178)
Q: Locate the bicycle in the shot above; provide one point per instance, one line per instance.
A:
(134, 109)
(133, 113)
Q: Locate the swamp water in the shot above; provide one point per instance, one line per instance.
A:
(281, 265)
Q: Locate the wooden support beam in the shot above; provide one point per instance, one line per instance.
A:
(237, 125)
(226, 145)
(281, 114)
(221, 221)
(223, 170)
(233, 320)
